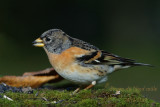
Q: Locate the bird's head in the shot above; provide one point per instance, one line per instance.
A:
(54, 41)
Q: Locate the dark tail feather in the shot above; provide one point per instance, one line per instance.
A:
(141, 64)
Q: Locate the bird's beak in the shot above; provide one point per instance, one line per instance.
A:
(38, 43)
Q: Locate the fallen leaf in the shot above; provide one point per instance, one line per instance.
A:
(32, 79)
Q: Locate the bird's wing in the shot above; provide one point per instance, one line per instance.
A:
(102, 57)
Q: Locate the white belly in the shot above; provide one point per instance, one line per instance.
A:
(83, 75)
(78, 77)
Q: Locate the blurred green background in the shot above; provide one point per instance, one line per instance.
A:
(129, 29)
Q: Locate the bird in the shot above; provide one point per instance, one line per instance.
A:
(79, 61)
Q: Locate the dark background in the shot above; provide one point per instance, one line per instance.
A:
(129, 29)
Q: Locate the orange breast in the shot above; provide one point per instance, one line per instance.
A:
(66, 58)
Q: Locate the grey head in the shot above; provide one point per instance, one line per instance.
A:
(56, 41)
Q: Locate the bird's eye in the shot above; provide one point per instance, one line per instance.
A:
(48, 39)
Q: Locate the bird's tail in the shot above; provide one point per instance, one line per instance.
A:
(141, 64)
(131, 64)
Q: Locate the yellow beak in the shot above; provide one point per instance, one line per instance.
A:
(38, 43)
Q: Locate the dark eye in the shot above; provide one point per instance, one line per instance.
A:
(48, 39)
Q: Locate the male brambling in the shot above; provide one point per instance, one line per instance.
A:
(79, 61)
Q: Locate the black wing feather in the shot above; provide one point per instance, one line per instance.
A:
(87, 57)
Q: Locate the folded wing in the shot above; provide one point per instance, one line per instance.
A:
(102, 57)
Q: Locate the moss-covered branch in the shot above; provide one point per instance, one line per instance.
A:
(87, 98)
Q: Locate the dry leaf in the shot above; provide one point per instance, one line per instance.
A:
(32, 79)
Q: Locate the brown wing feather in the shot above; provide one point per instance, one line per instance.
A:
(114, 59)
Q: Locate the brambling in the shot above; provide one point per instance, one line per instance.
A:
(79, 61)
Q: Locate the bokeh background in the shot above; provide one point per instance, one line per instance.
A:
(130, 29)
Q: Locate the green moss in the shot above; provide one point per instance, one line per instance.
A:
(87, 98)
(87, 103)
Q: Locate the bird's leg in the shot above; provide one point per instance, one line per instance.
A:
(91, 85)
(88, 87)
(75, 91)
